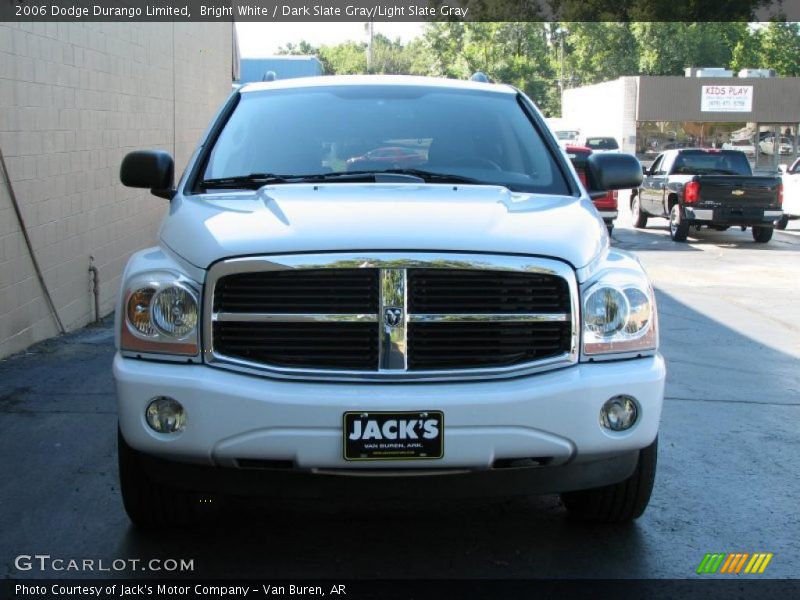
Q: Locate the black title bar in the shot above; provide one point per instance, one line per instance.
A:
(417, 589)
(400, 10)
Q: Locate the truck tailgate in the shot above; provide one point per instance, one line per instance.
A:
(732, 191)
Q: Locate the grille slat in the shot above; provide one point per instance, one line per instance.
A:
(300, 345)
(453, 345)
(478, 291)
(299, 291)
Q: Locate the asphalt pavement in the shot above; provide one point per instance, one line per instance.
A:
(727, 479)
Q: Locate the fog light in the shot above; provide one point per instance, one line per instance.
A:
(165, 415)
(619, 413)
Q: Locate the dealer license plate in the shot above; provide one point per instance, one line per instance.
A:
(393, 435)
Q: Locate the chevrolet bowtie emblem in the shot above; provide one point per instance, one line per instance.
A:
(738, 192)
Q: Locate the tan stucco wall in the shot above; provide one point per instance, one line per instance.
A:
(74, 98)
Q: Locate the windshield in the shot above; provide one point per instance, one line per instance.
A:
(602, 143)
(481, 136)
(567, 135)
(700, 162)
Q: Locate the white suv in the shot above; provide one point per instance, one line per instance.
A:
(309, 323)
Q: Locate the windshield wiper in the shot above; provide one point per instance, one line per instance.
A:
(257, 180)
(388, 175)
(432, 177)
(252, 181)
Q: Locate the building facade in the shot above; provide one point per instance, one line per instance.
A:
(74, 99)
(649, 114)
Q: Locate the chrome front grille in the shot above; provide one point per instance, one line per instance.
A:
(390, 316)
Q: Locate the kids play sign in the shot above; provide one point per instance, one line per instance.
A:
(726, 98)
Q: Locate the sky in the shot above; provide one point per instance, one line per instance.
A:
(264, 39)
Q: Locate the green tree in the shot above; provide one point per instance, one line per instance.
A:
(445, 41)
(600, 51)
(348, 58)
(748, 52)
(304, 48)
(780, 48)
(529, 54)
(392, 57)
(668, 48)
(421, 60)
(517, 53)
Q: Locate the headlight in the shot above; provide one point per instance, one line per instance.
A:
(160, 315)
(606, 311)
(175, 311)
(619, 315)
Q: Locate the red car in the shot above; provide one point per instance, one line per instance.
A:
(606, 205)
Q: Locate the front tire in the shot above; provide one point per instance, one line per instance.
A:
(151, 504)
(639, 217)
(620, 502)
(678, 227)
(762, 235)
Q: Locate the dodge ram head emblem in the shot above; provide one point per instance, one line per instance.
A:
(393, 316)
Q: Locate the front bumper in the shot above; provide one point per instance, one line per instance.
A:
(407, 485)
(732, 216)
(233, 417)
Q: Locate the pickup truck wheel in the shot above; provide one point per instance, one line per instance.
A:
(762, 234)
(782, 223)
(150, 504)
(678, 228)
(639, 218)
(620, 502)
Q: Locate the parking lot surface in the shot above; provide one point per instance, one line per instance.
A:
(727, 478)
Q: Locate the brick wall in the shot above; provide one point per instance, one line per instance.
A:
(74, 98)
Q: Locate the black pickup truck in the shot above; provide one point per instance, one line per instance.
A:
(702, 187)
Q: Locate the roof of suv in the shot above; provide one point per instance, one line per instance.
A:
(347, 80)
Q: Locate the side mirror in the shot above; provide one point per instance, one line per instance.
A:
(152, 169)
(612, 171)
(783, 168)
(645, 170)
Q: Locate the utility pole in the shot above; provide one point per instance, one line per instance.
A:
(561, 61)
(371, 33)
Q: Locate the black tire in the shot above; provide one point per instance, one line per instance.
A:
(782, 223)
(762, 235)
(678, 227)
(620, 502)
(639, 217)
(150, 504)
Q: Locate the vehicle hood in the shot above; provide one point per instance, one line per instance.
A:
(294, 218)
